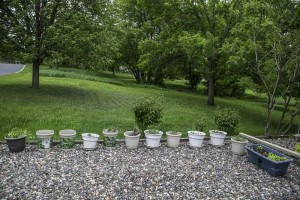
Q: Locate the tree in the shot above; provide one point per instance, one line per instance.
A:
(35, 28)
(270, 49)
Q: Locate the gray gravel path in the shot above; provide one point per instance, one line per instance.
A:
(164, 173)
(10, 68)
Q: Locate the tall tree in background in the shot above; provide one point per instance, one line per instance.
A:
(215, 19)
(266, 43)
(32, 27)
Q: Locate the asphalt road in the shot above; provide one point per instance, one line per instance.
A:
(10, 68)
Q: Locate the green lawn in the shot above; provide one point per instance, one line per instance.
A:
(89, 102)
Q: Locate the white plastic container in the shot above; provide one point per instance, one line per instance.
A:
(153, 140)
(90, 140)
(110, 138)
(217, 137)
(238, 147)
(67, 138)
(44, 139)
(196, 138)
(131, 141)
(173, 140)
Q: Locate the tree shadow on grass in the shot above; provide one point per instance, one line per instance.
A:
(23, 93)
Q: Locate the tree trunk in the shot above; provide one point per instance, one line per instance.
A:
(268, 122)
(38, 35)
(36, 74)
(211, 81)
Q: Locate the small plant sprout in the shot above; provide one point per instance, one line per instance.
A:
(136, 131)
(112, 130)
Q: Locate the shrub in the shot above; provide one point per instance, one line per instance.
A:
(147, 112)
(201, 124)
(227, 120)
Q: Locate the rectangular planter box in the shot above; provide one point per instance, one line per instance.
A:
(274, 168)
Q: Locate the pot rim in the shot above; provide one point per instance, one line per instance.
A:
(200, 133)
(240, 142)
(92, 135)
(159, 132)
(19, 138)
(131, 136)
(44, 133)
(217, 132)
(172, 135)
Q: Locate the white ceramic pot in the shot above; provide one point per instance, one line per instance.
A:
(131, 141)
(173, 140)
(110, 138)
(238, 147)
(44, 139)
(67, 138)
(89, 140)
(196, 138)
(153, 140)
(217, 137)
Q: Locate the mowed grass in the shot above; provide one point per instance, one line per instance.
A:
(89, 102)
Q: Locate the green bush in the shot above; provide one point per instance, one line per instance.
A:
(201, 124)
(18, 133)
(227, 120)
(297, 147)
(147, 112)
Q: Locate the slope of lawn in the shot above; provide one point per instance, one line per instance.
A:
(89, 102)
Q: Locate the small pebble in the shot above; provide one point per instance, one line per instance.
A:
(163, 173)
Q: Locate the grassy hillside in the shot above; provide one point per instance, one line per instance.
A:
(81, 100)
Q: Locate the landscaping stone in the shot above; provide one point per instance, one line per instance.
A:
(163, 173)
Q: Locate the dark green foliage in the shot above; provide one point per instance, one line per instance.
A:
(227, 120)
(67, 143)
(201, 124)
(109, 141)
(147, 112)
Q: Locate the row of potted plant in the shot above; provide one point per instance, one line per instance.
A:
(16, 139)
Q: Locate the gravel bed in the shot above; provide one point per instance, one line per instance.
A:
(164, 173)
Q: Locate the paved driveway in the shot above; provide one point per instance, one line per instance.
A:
(10, 68)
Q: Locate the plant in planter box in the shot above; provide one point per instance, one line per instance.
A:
(147, 112)
(275, 163)
(16, 139)
(238, 144)
(89, 140)
(153, 138)
(132, 138)
(110, 137)
(227, 120)
(297, 147)
(197, 136)
(173, 138)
